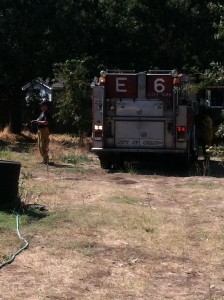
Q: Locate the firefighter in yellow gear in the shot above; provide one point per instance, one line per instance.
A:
(43, 131)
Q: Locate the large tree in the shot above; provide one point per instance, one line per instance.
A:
(73, 104)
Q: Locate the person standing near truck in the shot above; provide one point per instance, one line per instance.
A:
(43, 133)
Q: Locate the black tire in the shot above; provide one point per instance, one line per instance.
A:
(193, 156)
(118, 163)
(105, 163)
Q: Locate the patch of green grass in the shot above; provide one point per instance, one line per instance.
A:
(14, 155)
(123, 199)
(9, 221)
(6, 220)
(75, 159)
(6, 154)
(82, 217)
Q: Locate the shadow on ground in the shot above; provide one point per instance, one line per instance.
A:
(172, 167)
(34, 211)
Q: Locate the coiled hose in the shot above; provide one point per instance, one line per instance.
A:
(26, 244)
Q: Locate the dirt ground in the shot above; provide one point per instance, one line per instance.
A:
(154, 232)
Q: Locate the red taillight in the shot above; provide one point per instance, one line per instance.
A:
(181, 128)
(181, 133)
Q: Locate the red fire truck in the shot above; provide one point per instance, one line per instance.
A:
(142, 113)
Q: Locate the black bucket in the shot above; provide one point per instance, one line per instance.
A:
(9, 180)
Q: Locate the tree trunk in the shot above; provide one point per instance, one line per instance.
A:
(15, 112)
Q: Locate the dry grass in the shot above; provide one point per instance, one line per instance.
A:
(6, 135)
(114, 235)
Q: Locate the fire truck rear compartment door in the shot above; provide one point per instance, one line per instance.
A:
(139, 134)
(151, 134)
(127, 134)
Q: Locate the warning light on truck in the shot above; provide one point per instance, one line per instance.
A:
(181, 133)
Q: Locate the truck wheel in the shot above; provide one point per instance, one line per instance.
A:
(118, 163)
(193, 156)
(105, 163)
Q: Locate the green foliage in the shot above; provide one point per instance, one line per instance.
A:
(220, 131)
(215, 74)
(219, 151)
(74, 104)
(212, 75)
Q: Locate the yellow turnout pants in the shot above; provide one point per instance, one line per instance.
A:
(43, 143)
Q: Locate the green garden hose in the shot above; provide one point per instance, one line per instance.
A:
(26, 244)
